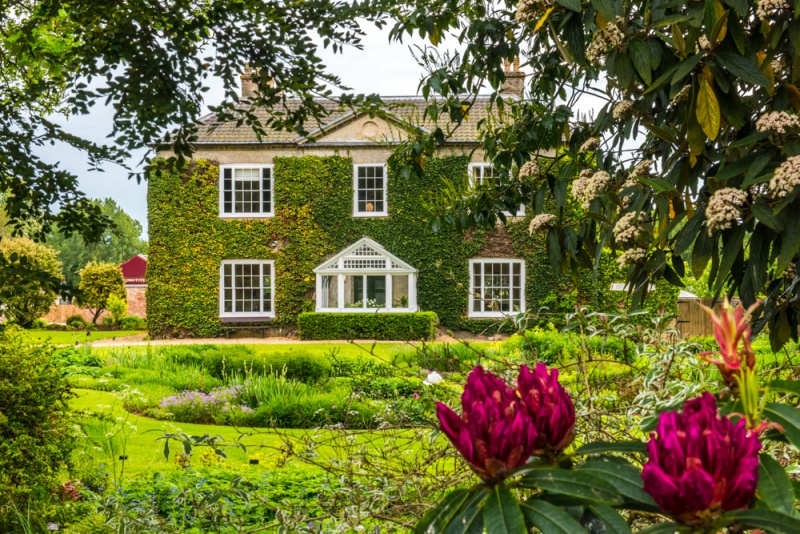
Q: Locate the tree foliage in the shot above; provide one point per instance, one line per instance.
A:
(118, 242)
(26, 302)
(695, 124)
(152, 63)
(99, 282)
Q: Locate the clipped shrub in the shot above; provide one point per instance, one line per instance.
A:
(132, 322)
(384, 326)
(100, 280)
(107, 321)
(76, 321)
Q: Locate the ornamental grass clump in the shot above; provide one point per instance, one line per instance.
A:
(494, 433)
(700, 463)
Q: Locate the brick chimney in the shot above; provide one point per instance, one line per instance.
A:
(515, 80)
(249, 86)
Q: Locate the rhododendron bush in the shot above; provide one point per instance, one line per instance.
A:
(705, 467)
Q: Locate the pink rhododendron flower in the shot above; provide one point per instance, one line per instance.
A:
(700, 463)
(550, 407)
(494, 433)
(732, 327)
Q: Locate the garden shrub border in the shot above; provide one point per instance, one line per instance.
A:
(383, 326)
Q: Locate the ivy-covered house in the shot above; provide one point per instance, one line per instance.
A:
(258, 231)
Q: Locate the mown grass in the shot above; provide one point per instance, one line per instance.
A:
(69, 337)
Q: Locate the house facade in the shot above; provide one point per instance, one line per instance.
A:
(256, 231)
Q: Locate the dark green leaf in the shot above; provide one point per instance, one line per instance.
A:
(607, 8)
(685, 67)
(554, 249)
(612, 522)
(701, 253)
(764, 214)
(772, 522)
(774, 485)
(786, 386)
(667, 527)
(626, 478)
(470, 521)
(790, 243)
(574, 483)
(502, 512)
(550, 519)
(730, 251)
(640, 56)
(788, 417)
(574, 5)
(437, 519)
(744, 68)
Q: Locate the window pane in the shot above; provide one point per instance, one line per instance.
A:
(354, 291)
(370, 194)
(376, 291)
(266, 287)
(400, 291)
(329, 298)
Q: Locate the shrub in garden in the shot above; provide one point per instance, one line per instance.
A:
(76, 321)
(132, 322)
(387, 326)
(36, 427)
(118, 307)
(220, 406)
(100, 280)
(303, 367)
(26, 303)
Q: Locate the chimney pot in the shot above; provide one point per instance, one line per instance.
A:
(515, 80)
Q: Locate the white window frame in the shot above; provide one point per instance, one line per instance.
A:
(233, 263)
(473, 181)
(385, 211)
(255, 215)
(472, 290)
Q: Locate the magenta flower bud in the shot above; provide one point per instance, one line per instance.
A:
(550, 408)
(494, 433)
(700, 463)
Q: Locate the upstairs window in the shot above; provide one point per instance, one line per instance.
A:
(246, 191)
(485, 175)
(369, 191)
(497, 287)
(247, 288)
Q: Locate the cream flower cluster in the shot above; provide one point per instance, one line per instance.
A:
(682, 95)
(530, 169)
(703, 44)
(603, 41)
(629, 227)
(786, 178)
(589, 186)
(642, 168)
(541, 222)
(632, 256)
(777, 121)
(622, 110)
(590, 144)
(724, 209)
(766, 8)
(530, 10)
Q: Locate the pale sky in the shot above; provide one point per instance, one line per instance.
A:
(379, 68)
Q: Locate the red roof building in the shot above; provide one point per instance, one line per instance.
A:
(134, 271)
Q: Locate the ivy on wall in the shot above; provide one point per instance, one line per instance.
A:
(313, 220)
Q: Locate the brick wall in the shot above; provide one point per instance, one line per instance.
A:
(137, 305)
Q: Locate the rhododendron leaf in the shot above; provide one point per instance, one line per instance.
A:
(667, 527)
(550, 519)
(470, 520)
(772, 522)
(439, 517)
(603, 447)
(774, 485)
(574, 483)
(789, 419)
(502, 515)
(626, 479)
(786, 386)
(609, 519)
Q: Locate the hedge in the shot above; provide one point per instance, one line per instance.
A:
(388, 326)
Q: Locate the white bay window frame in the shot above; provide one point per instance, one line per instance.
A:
(385, 190)
(365, 258)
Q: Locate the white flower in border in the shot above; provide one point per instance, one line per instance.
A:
(433, 379)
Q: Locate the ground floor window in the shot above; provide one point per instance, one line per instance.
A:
(497, 287)
(365, 277)
(247, 288)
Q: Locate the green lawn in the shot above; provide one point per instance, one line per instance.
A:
(66, 337)
(144, 452)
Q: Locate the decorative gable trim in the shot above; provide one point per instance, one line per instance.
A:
(364, 248)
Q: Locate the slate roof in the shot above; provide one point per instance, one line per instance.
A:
(404, 109)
